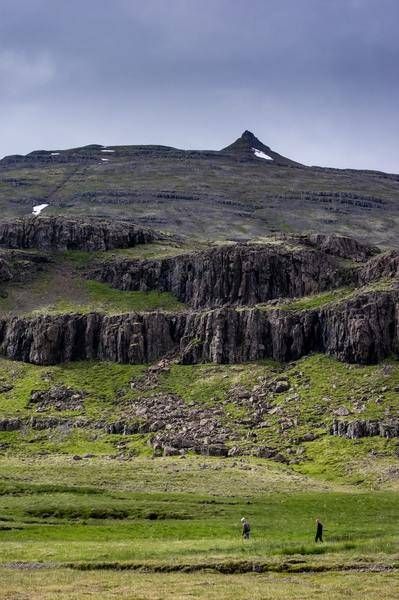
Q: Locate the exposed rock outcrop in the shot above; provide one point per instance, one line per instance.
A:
(383, 266)
(16, 265)
(58, 233)
(340, 245)
(58, 398)
(5, 270)
(359, 429)
(230, 275)
(363, 330)
(245, 146)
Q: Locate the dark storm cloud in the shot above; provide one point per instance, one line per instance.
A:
(316, 79)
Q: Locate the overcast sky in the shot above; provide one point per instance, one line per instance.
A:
(317, 80)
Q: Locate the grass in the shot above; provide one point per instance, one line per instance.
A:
(46, 584)
(167, 528)
(103, 298)
(124, 510)
(99, 381)
(319, 386)
(64, 289)
(151, 251)
(88, 514)
(317, 300)
(323, 299)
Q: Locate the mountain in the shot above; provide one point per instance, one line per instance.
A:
(165, 304)
(243, 191)
(247, 146)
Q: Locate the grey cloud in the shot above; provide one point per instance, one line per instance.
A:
(316, 79)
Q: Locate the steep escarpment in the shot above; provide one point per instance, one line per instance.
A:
(58, 233)
(230, 275)
(235, 294)
(362, 330)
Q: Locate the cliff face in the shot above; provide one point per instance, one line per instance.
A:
(57, 233)
(221, 285)
(339, 245)
(384, 265)
(231, 275)
(362, 330)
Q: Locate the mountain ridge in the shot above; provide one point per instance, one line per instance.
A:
(246, 190)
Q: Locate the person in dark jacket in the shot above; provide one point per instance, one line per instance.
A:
(246, 529)
(319, 531)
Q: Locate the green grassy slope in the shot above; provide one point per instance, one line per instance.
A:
(319, 386)
(79, 497)
(61, 287)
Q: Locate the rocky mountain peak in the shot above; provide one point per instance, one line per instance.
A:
(252, 141)
(248, 147)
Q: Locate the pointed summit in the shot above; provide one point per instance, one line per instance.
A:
(248, 147)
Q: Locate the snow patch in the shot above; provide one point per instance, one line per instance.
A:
(106, 150)
(260, 154)
(55, 154)
(38, 209)
(105, 159)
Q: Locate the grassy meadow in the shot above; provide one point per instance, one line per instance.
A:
(85, 513)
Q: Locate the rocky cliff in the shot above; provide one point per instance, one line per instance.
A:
(58, 233)
(224, 287)
(383, 266)
(362, 330)
(231, 275)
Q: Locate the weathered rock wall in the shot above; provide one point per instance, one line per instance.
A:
(231, 275)
(363, 428)
(5, 270)
(340, 245)
(361, 330)
(58, 233)
(382, 266)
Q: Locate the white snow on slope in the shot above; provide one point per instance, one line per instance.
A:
(106, 150)
(105, 159)
(260, 154)
(55, 154)
(38, 209)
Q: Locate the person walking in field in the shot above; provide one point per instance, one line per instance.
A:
(246, 529)
(319, 531)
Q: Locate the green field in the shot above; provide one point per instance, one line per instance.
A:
(96, 511)
(85, 513)
(45, 584)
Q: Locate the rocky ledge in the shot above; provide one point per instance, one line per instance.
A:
(363, 329)
(59, 233)
(242, 274)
